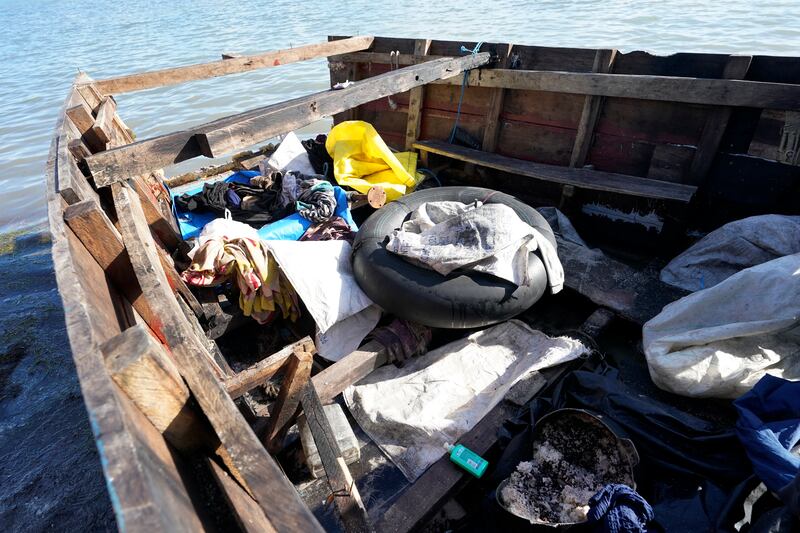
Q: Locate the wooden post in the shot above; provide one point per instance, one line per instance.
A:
(103, 125)
(603, 64)
(284, 411)
(491, 131)
(343, 488)
(274, 493)
(259, 373)
(415, 99)
(715, 125)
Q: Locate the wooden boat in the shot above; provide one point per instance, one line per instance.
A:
(639, 150)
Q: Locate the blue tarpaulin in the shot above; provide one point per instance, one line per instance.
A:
(769, 427)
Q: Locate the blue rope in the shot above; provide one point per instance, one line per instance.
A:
(464, 50)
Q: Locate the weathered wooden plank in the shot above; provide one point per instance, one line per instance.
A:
(603, 63)
(259, 373)
(92, 226)
(284, 410)
(81, 116)
(707, 91)
(385, 58)
(343, 488)
(103, 125)
(253, 129)
(150, 378)
(416, 96)
(336, 378)
(583, 178)
(248, 514)
(492, 129)
(274, 493)
(714, 129)
(78, 149)
(172, 76)
(632, 294)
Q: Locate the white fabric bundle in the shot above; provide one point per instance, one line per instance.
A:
(720, 341)
(411, 412)
(490, 238)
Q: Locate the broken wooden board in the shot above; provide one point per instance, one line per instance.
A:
(343, 488)
(261, 372)
(284, 410)
(632, 294)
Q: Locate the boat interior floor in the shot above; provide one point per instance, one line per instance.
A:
(617, 349)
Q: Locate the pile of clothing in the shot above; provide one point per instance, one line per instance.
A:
(251, 204)
(265, 199)
(294, 196)
(229, 251)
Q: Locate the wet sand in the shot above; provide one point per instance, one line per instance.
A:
(50, 474)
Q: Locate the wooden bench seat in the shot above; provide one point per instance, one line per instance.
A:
(578, 177)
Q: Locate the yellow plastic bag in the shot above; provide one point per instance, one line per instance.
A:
(361, 160)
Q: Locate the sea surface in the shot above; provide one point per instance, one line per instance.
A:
(50, 476)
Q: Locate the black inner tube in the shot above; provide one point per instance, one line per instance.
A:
(458, 300)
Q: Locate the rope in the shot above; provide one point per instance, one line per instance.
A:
(464, 50)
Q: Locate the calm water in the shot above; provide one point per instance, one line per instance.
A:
(49, 473)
